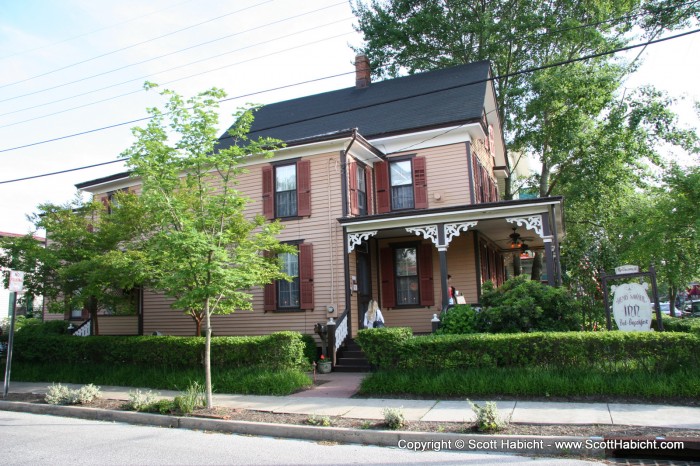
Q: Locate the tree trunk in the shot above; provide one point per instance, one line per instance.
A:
(207, 356)
(544, 180)
(672, 300)
(516, 264)
(536, 267)
(197, 325)
(92, 309)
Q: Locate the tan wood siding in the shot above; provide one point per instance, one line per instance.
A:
(320, 229)
(447, 174)
(118, 325)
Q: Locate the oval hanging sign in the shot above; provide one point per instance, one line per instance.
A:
(631, 307)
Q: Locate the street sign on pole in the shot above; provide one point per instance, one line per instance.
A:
(16, 281)
(16, 286)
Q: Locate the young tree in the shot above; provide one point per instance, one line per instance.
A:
(83, 264)
(201, 247)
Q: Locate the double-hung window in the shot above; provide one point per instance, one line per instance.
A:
(361, 192)
(288, 292)
(286, 191)
(406, 266)
(401, 184)
(401, 177)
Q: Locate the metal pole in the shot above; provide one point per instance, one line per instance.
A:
(604, 280)
(10, 341)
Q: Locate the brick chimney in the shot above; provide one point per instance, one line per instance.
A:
(362, 77)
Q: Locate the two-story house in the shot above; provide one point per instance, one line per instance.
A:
(385, 188)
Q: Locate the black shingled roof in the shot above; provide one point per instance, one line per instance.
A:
(383, 108)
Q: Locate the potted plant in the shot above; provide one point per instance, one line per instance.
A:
(323, 365)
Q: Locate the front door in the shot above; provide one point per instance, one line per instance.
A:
(364, 285)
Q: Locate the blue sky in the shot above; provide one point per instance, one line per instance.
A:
(39, 37)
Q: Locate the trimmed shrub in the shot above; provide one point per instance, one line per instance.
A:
(276, 351)
(459, 320)
(310, 348)
(605, 350)
(382, 345)
(671, 324)
(523, 305)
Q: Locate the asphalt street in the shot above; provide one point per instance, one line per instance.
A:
(30, 439)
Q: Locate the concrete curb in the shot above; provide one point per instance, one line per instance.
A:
(432, 441)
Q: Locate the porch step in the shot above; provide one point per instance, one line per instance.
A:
(350, 358)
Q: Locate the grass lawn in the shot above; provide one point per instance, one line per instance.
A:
(251, 381)
(537, 382)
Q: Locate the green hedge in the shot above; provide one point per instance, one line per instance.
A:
(278, 350)
(380, 344)
(392, 348)
(690, 325)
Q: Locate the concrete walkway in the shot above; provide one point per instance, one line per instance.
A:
(332, 398)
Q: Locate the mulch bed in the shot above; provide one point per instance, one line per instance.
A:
(415, 426)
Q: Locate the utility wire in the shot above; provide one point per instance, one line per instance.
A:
(556, 31)
(316, 41)
(135, 45)
(148, 118)
(68, 39)
(63, 171)
(40, 91)
(479, 81)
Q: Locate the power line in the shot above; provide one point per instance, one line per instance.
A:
(68, 39)
(479, 81)
(134, 45)
(148, 118)
(64, 171)
(556, 31)
(40, 91)
(316, 41)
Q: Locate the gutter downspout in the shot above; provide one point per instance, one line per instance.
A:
(346, 259)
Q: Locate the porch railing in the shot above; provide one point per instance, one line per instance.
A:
(83, 330)
(338, 332)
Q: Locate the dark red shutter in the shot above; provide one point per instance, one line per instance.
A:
(268, 192)
(420, 183)
(381, 178)
(477, 179)
(368, 190)
(306, 276)
(352, 173)
(484, 262)
(270, 297)
(425, 275)
(270, 291)
(105, 201)
(304, 188)
(386, 257)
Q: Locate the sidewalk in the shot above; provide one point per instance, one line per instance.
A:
(333, 399)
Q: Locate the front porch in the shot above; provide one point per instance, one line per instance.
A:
(403, 260)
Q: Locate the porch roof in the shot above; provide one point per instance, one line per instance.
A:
(490, 218)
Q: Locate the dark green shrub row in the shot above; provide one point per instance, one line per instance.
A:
(278, 350)
(690, 325)
(392, 348)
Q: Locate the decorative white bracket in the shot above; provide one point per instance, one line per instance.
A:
(355, 239)
(454, 229)
(532, 222)
(430, 232)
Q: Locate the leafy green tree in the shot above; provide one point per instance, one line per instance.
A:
(663, 229)
(408, 36)
(201, 248)
(84, 264)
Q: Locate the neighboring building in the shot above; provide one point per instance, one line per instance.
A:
(385, 189)
(26, 305)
